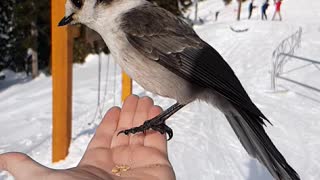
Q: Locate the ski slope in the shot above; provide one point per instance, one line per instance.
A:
(204, 146)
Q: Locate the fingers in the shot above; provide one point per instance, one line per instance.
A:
(21, 166)
(141, 115)
(155, 139)
(106, 129)
(125, 121)
(134, 113)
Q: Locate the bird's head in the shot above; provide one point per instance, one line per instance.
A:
(83, 11)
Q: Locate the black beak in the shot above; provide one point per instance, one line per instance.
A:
(66, 20)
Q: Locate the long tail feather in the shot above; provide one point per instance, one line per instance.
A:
(250, 131)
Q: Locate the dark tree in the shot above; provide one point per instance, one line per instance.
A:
(32, 19)
(226, 2)
(7, 38)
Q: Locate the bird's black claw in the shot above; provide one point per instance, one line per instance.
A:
(168, 131)
(134, 130)
(162, 128)
(123, 132)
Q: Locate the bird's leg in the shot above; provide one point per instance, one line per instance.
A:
(157, 123)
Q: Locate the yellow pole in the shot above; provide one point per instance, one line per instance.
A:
(126, 86)
(61, 49)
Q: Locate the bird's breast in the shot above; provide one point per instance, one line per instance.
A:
(154, 77)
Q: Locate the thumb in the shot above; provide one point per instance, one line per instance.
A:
(21, 166)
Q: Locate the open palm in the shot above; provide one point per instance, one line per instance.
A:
(144, 154)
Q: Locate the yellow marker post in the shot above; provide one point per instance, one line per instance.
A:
(61, 49)
(126, 86)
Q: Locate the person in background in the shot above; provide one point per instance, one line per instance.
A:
(250, 9)
(264, 8)
(28, 64)
(217, 15)
(277, 11)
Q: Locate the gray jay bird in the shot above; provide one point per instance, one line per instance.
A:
(165, 56)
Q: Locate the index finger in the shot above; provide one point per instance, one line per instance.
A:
(106, 129)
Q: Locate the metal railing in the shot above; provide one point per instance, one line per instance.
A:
(311, 62)
(288, 46)
(285, 52)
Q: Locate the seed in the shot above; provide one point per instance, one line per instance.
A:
(115, 170)
(120, 168)
(126, 168)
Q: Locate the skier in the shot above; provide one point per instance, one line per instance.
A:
(250, 9)
(264, 9)
(217, 15)
(28, 62)
(277, 10)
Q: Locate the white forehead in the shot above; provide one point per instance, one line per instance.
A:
(94, 15)
(119, 7)
(87, 5)
(106, 17)
(69, 8)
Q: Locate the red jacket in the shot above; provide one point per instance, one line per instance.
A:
(278, 5)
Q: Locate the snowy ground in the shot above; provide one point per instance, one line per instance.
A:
(204, 146)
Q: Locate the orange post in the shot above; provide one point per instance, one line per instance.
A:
(62, 43)
(126, 86)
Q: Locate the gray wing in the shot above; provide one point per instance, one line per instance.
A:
(166, 39)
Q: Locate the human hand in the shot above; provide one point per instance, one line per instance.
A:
(145, 154)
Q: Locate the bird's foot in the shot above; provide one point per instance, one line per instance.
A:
(151, 124)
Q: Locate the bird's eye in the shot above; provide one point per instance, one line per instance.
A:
(77, 3)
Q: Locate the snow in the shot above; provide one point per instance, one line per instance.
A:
(204, 145)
